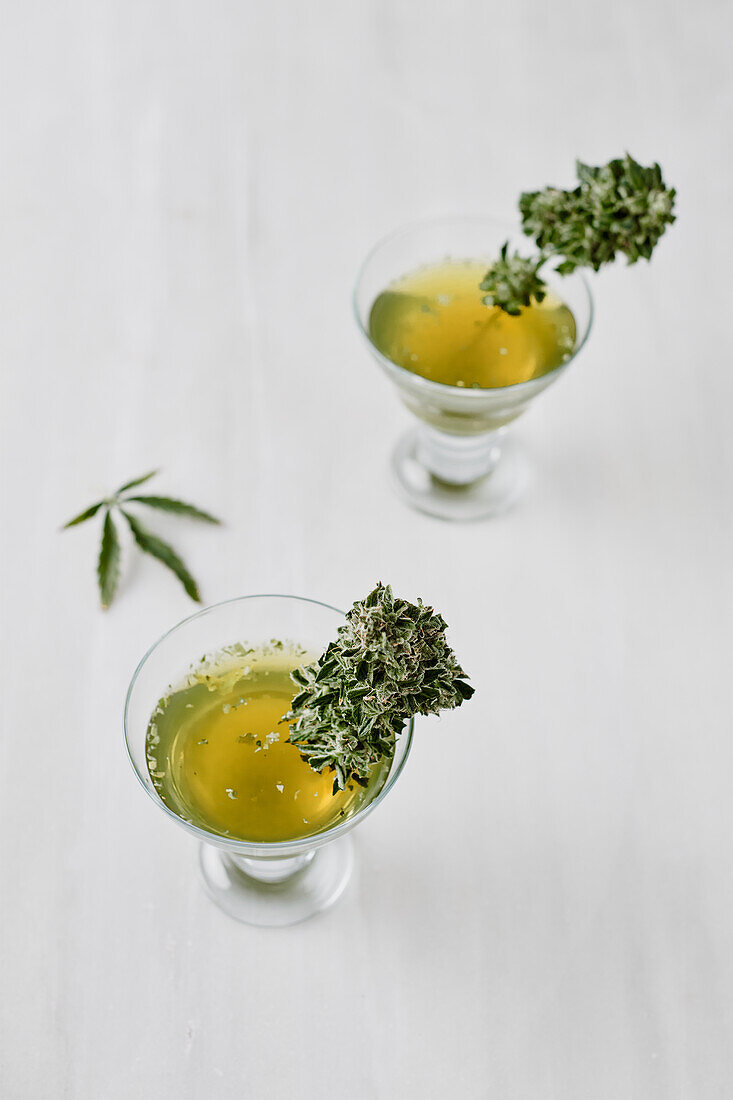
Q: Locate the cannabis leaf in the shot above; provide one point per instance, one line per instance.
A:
(620, 208)
(390, 661)
(137, 481)
(108, 566)
(168, 504)
(151, 544)
(86, 514)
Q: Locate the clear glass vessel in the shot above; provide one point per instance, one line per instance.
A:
(459, 463)
(272, 884)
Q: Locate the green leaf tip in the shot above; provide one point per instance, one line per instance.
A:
(178, 507)
(136, 481)
(84, 516)
(157, 548)
(108, 566)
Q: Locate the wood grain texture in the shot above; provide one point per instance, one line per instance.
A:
(186, 192)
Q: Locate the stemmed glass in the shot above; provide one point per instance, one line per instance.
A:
(273, 884)
(458, 463)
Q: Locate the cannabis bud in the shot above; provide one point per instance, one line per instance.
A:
(389, 662)
(513, 281)
(619, 208)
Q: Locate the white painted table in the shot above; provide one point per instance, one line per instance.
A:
(186, 192)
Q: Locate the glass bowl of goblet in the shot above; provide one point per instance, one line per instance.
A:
(459, 462)
(258, 881)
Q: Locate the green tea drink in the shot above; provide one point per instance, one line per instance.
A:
(434, 323)
(219, 757)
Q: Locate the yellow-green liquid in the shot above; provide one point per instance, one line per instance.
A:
(219, 757)
(434, 323)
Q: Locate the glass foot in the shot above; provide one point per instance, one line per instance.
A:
(276, 893)
(490, 495)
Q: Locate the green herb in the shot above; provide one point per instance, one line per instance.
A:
(108, 566)
(513, 281)
(389, 662)
(620, 208)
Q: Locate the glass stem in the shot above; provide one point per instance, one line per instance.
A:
(272, 870)
(458, 459)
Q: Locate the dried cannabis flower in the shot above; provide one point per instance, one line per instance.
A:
(513, 281)
(619, 208)
(390, 661)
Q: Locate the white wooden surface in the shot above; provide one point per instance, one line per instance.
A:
(186, 191)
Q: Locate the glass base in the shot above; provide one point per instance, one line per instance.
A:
(276, 893)
(490, 495)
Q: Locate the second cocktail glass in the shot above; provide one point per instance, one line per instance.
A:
(459, 463)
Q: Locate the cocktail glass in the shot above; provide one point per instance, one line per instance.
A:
(273, 884)
(459, 463)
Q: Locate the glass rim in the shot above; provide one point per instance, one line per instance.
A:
(261, 848)
(469, 393)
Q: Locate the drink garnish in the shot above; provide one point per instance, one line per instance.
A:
(619, 208)
(389, 661)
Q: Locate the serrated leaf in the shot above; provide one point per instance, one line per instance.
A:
(137, 481)
(108, 566)
(327, 669)
(169, 504)
(157, 548)
(85, 515)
